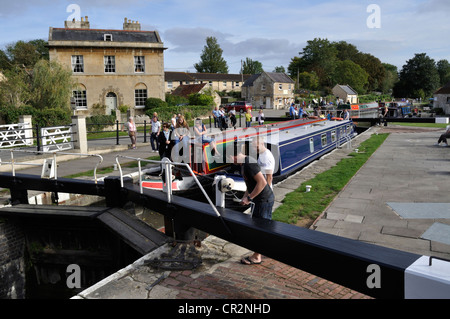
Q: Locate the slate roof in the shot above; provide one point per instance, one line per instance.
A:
(178, 76)
(274, 76)
(347, 89)
(250, 80)
(444, 90)
(185, 90)
(183, 76)
(95, 35)
(279, 77)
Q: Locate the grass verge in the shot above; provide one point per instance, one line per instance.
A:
(435, 125)
(325, 186)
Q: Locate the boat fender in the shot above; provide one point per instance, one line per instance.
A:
(226, 184)
(337, 118)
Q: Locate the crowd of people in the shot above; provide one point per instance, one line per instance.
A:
(164, 136)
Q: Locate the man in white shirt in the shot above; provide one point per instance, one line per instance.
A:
(266, 160)
(156, 128)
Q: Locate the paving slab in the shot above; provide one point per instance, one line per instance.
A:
(421, 210)
(438, 232)
(399, 195)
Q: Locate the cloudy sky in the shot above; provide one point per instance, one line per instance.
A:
(272, 32)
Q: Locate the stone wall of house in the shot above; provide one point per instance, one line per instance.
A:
(12, 265)
(442, 101)
(121, 84)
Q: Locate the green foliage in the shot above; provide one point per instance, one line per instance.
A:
(375, 97)
(201, 99)
(173, 100)
(252, 67)
(279, 69)
(98, 122)
(349, 73)
(211, 60)
(419, 73)
(16, 90)
(443, 67)
(52, 117)
(23, 53)
(98, 109)
(390, 78)
(190, 112)
(319, 56)
(123, 108)
(51, 86)
(153, 102)
(323, 58)
(308, 80)
(43, 118)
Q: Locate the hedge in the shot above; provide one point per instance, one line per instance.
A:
(189, 111)
(42, 117)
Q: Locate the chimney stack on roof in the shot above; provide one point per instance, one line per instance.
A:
(131, 25)
(83, 24)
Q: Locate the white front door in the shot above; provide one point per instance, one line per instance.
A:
(268, 104)
(111, 103)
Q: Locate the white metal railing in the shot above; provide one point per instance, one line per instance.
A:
(168, 177)
(53, 169)
(19, 134)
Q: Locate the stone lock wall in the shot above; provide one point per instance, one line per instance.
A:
(12, 265)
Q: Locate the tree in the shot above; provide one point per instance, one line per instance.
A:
(5, 64)
(296, 66)
(309, 81)
(279, 69)
(41, 47)
(26, 54)
(349, 73)
(419, 73)
(211, 58)
(373, 67)
(346, 51)
(51, 85)
(390, 78)
(443, 67)
(15, 90)
(320, 56)
(252, 67)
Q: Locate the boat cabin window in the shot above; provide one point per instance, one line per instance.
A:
(347, 128)
(311, 145)
(324, 139)
(333, 136)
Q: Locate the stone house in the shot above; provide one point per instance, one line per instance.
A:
(217, 81)
(345, 93)
(269, 90)
(442, 98)
(110, 67)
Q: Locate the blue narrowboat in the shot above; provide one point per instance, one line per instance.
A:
(294, 144)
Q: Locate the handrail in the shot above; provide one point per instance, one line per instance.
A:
(166, 163)
(13, 161)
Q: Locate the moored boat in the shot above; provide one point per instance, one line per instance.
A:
(294, 144)
(360, 110)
